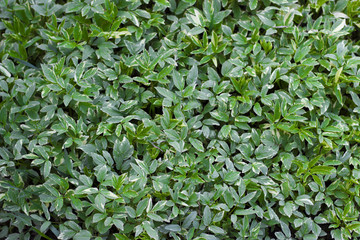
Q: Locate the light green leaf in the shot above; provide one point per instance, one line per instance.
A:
(301, 53)
(83, 235)
(322, 170)
(231, 176)
(295, 118)
(253, 4)
(80, 97)
(100, 201)
(5, 72)
(197, 144)
(122, 150)
(150, 230)
(47, 168)
(130, 211)
(166, 93)
(207, 216)
(49, 73)
(303, 199)
(248, 197)
(266, 151)
(266, 20)
(288, 209)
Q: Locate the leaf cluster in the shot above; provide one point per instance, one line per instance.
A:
(179, 119)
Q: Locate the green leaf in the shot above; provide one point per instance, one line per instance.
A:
(155, 217)
(207, 216)
(322, 170)
(122, 151)
(301, 53)
(130, 211)
(245, 212)
(166, 93)
(248, 197)
(189, 90)
(121, 236)
(178, 80)
(266, 152)
(83, 235)
(49, 73)
(355, 98)
(47, 168)
(77, 32)
(163, 2)
(338, 94)
(266, 20)
(250, 71)
(221, 116)
(231, 176)
(303, 199)
(189, 219)
(173, 228)
(353, 226)
(257, 109)
(150, 230)
(197, 144)
(285, 228)
(339, 25)
(295, 118)
(141, 207)
(353, 61)
(100, 201)
(225, 131)
(288, 209)
(98, 217)
(80, 97)
(216, 230)
(337, 75)
(253, 4)
(5, 72)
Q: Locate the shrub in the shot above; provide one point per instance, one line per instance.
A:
(179, 119)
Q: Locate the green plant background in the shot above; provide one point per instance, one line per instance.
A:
(221, 119)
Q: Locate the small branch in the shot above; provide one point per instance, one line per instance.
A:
(155, 146)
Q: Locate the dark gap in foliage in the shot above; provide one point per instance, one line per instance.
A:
(218, 69)
(272, 230)
(260, 124)
(50, 234)
(281, 85)
(70, 111)
(135, 73)
(62, 2)
(343, 112)
(262, 31)
(236, 28)
(36, 59)
(328, 183)
(326, 228)
(242, 6)
(167, 12)
(316, 14)
(153, 110)
(113, 230)
(355, 35)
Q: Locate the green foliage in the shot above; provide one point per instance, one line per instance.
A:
(180, 119)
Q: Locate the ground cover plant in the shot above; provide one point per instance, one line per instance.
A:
(165, 119)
